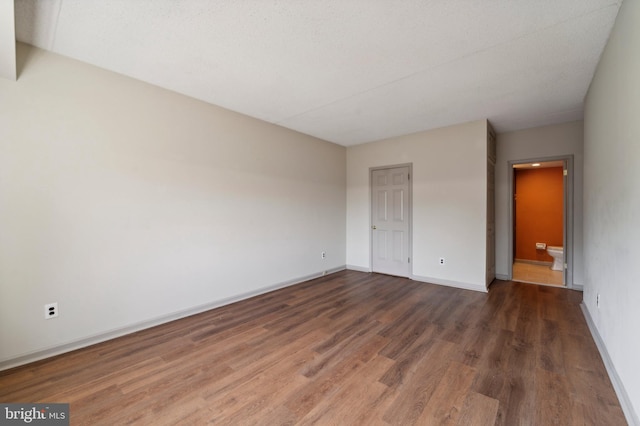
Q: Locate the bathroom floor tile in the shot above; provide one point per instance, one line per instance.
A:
(537, 274)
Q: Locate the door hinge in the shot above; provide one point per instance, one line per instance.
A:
(565, 172)
(408, 176)
(566, 266)
(408, 260)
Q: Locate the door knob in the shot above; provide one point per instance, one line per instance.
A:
(373, 227)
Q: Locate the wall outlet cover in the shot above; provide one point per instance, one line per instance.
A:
(51, 310)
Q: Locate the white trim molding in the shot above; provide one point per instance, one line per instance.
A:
(449, 283)
(358, 268)
(623, 397)
(112, 334)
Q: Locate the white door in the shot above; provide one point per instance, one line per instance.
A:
(390, 221)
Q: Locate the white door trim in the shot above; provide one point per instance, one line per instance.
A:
(567, 214)
(410, 213)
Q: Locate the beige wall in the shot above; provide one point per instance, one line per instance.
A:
(127, 203)
(449, 201)
(612, 203)
(540, 142)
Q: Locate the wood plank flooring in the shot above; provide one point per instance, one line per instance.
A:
(347, 349)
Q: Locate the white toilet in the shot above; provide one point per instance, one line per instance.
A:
(558, 257)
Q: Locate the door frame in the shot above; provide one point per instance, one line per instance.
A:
(409, 214)
(567, 214)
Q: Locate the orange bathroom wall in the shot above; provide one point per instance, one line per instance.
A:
(538, 211)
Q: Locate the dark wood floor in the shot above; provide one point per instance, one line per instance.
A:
(350, 348)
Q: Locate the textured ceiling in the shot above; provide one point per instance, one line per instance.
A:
(347, 71)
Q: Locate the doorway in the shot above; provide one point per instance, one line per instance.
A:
(541, 226)
(391, 220)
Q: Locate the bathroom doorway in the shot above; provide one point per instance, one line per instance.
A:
(539, 233)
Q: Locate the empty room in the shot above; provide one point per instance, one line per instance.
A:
(319, 212)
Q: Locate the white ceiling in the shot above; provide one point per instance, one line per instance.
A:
(347, 71)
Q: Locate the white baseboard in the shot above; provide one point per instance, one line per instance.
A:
(358, 268)
(623, 397)
(448, 283)
(101, 337)
(502, 277)
(327, 272)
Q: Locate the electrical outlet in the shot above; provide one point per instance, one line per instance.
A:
(323, 254)
(51, 310)
(441, 261)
